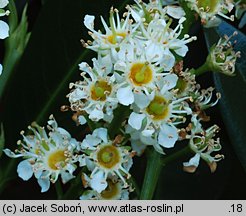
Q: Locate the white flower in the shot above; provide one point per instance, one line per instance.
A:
(162, 41)
(208, 10)
(156, 121)
(203, 144)
(115, 190)
(120, 30)
(46, 155)
(96, 94)
(135, 73)
(104, 159)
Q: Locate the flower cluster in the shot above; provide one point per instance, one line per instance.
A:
(4, 28)
(139, 70)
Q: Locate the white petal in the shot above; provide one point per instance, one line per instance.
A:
(153, 51)
(148, 132)
(168, 60)
(24, 170)
(90, 142)
(101, 133)
(64, 132)
(175, 12)
(119, 78)
(135, 120)
(98, 182)
(90, 164)
(4, 30)
(168, 135)
(83, 66)
(169, 82)
(120, 66)
(141, 99)
(52, 122)
(1, 69)
(96, 115)
(76, 95)
(147, 140)
(66, 176)
(38, 173)
(44, 183)
(3, 3)
(182, 50)
(127, 52)
(194, 161)
(82, 120)
(89, 22)
(125, 96)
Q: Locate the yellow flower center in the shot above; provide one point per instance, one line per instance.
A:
(141, 74)
(158, 108)
(57, 159)
(208, 5)
(111, 191)
(108, 156)
(113, 38)
(100, 90)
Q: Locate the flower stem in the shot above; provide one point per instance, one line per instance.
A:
(152, 173)
(168, 159)
(59, 191)
(201, 70)
(154, 167)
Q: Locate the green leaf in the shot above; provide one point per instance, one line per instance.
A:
(233, 90)
(15, 45)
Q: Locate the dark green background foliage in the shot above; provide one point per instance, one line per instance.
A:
(52, 56)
